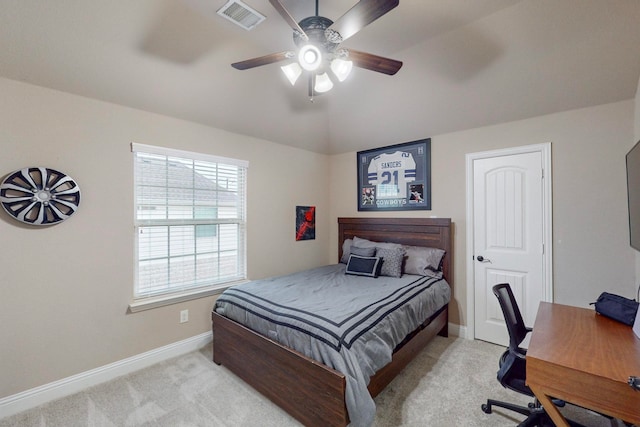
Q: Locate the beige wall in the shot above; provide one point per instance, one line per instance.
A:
(636, 117)
(65, 289)
(591, 249)
(636, 122)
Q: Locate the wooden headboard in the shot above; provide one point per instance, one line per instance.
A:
(430, 232)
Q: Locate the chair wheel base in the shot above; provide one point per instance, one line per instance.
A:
(486, 408)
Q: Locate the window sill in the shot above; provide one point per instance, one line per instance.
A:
(162, 300)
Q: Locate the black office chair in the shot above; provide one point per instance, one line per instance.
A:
(512, 372)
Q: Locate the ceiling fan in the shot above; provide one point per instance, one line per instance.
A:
(318, 41)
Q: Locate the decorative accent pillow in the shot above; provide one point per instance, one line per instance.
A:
(423, 261)
(391, 261)
(363, 266)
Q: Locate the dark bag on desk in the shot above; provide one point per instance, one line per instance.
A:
(617, 308)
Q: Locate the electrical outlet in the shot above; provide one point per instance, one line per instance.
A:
(184, 316)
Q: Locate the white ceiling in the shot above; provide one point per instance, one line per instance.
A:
(467, 63)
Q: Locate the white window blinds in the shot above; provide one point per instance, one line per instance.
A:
(190, 220)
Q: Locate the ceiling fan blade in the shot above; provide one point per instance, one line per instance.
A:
(263, 60)
(374, 62)
(287, 17)
(359, 16)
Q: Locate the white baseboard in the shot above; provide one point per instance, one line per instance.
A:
(28, 399)
(31, 398)
(458, 330)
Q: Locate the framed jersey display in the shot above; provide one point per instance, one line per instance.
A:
(395, 178)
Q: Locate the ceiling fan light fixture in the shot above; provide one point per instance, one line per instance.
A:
(341, 68)
(292, 71)
(318, 39)
(323, 83)
(309, 57)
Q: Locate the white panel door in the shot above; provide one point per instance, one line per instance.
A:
(508, 239)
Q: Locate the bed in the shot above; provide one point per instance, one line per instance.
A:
(310, 391)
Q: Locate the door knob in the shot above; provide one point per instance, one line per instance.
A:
(482, 259)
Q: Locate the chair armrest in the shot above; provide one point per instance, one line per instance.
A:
(521, 356)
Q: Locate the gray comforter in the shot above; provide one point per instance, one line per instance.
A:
(349, 323)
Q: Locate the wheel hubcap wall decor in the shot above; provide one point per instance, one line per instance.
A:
(39, 196)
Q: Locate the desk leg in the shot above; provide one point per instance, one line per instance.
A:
(551, 409)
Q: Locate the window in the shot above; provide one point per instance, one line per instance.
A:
(190, 222)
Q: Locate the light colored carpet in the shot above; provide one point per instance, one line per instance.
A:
(444, 386)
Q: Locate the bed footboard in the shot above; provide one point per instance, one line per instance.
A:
(308, 390)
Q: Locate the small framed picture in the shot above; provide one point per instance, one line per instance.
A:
(395, 178)
(305, 222)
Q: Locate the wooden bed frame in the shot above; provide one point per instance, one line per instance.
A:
(308, 390)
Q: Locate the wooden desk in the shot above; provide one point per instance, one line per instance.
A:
(583, 358)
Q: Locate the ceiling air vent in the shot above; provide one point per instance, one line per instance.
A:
(241, 14)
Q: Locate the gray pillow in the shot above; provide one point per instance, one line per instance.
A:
(423, 261)
(355, 250)
(346, 246)
(391, 261)
(364, 243)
